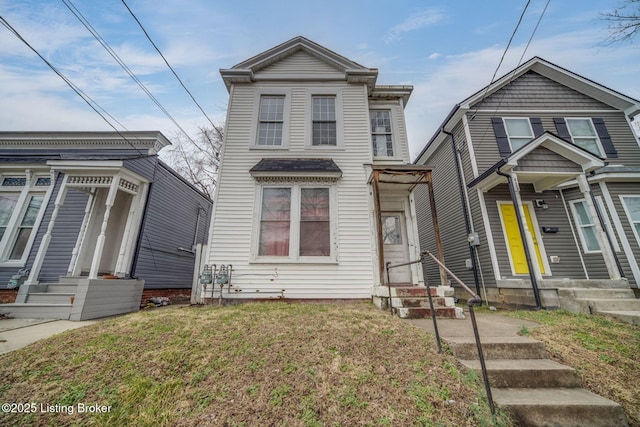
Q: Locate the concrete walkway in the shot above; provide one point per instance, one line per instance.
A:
(19, 333)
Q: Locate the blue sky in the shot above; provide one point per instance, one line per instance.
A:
(446, 49)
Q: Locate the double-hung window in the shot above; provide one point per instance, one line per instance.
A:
(295, 223)
(21, 202)
(381, 135)
(324, 124)
(584, 135)
(519, 132)
(632, 208)
(586, 226)
(271, 120)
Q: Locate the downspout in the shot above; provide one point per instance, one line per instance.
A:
(527, 254)
(463, 200)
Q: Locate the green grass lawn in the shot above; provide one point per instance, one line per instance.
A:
(257, 364)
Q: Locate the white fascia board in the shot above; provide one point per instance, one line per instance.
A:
(85, 164)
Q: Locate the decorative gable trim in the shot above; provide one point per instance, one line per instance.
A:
(244, 72)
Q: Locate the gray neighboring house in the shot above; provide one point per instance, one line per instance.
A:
(549, 158)
(93, 218)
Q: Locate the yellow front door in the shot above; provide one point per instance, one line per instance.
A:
(514, 241)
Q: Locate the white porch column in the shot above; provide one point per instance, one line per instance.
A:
(46, 239)
(607, 252)
(528, 236)
(97, 255)
(72, 270)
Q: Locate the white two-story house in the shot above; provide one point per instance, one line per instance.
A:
(315, 193)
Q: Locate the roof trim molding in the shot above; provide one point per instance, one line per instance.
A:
(244, 71)
(149, 141)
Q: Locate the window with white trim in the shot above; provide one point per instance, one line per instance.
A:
(295, 223)
(632, 209)
(324, 124)
(586, 226)
(21, 203)
(584, 135)
(519, 131)
(381, 135)
(271, 120)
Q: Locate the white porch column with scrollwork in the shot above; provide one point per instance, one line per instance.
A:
(97, 255)
(46, 239)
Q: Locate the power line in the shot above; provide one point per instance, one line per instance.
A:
(167, 62)
(120, 62)
(515, 30)
(86, 98)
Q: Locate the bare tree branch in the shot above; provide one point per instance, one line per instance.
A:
(623, 21)
(198, 159)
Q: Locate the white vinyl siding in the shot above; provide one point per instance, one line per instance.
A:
(519, 131)
(584, 135)
(350, 272)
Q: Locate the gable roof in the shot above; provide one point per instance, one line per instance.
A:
(617, 100)
(244, 72)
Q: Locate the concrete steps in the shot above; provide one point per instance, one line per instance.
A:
(53, 301)
(536, 390)
(567, 407)
(37, 310)
(612, 298)
(412, 302)
(527, 373)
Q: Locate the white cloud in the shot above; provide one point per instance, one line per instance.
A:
(414, 22)
(434, 55)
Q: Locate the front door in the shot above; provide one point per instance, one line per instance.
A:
(514, 240)
(396, 249)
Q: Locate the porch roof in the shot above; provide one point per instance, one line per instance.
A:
(542, 178)
(322, 168)
(399, 177)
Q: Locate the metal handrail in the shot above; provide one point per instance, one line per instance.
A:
(470, 302)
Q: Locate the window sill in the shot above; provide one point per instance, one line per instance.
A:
(300, 261)
(9, 264)
(269, 147)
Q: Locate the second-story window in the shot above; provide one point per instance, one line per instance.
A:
(271, 120)
(584, 135)
(324, 120)
(519, 132)
(381, 133)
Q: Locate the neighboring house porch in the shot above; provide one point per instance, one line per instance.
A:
(101, 230)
